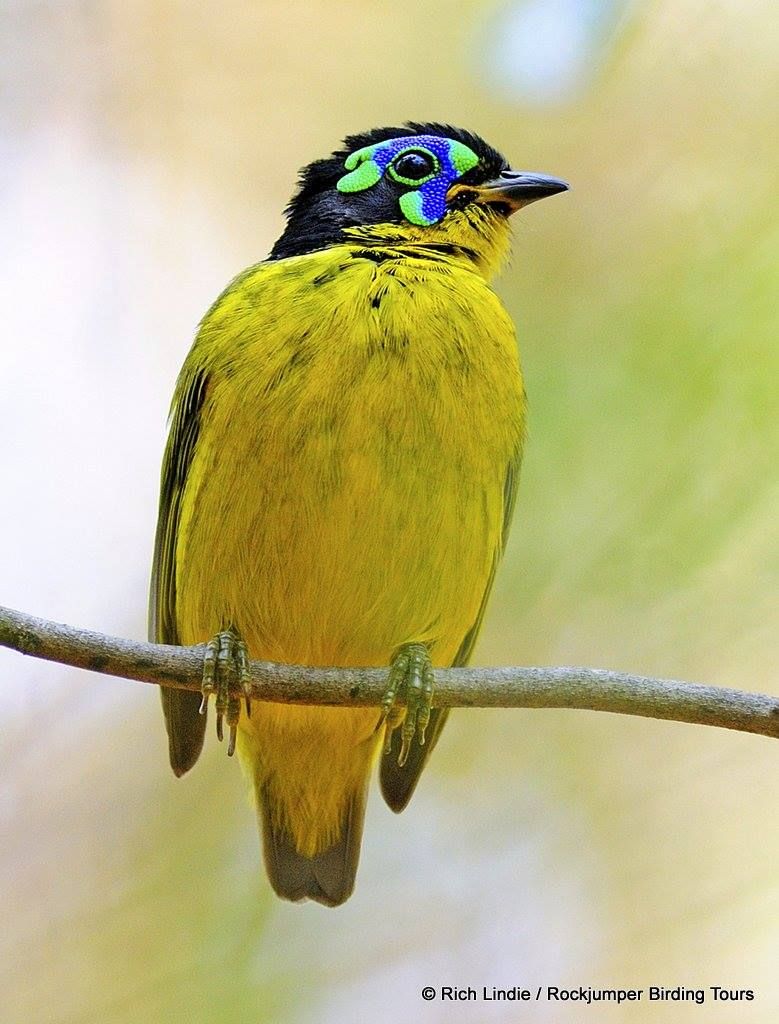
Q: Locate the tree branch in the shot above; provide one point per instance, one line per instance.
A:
(585, 688)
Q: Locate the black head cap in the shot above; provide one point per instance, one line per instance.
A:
(318, 213)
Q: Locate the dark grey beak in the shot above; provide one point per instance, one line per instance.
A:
(515, 189)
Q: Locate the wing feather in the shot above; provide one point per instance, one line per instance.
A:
(184, 723)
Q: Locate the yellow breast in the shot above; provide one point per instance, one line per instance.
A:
(346, 491)
(346, 494)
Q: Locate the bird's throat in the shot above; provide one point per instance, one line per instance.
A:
(476, 235)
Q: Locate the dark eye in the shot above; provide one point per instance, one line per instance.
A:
(413, 166)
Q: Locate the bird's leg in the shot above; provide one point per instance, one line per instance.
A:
(226, 675)
(410, 683)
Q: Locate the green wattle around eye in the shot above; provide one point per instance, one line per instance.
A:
(364, 176)
(414, 182)
(411, 205)
(425, 204)
(359, 155)
(463, 157)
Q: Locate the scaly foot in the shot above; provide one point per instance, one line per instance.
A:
(226, 674)
(411, 683)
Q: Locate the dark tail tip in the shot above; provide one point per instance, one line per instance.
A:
(323, 878)
(327, 877)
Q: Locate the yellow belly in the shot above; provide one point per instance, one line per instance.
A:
(347, 497)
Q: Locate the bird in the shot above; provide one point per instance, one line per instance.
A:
(339, 478)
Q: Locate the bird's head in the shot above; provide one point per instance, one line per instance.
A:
(420, 183)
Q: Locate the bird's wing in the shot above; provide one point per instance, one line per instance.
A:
(398, 784)
(185, 725)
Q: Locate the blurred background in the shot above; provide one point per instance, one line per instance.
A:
(146, 153)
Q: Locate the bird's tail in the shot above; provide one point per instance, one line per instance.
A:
(328, 875)
(309, 769)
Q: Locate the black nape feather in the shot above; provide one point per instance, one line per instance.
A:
(318, 213)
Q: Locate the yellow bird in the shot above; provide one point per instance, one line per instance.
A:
(339, 477)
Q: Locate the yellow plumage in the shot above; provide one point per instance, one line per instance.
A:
(342, 490)
(347, 492)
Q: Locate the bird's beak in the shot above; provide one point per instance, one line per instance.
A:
(512, 190)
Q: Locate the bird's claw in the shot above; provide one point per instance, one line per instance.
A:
(411, 684)
(226, 676)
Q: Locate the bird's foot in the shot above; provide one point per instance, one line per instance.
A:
(226, 675)
(410, 684)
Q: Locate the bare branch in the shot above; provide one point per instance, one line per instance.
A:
(585, 688)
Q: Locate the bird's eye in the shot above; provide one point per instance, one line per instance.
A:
(413, 167)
